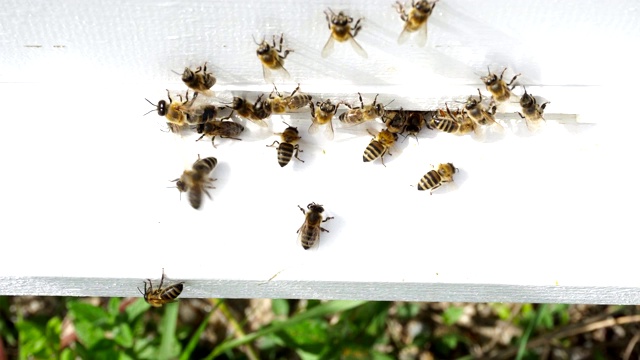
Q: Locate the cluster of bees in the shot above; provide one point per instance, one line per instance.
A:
(188, 114)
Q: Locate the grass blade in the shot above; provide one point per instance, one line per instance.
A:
(320, 310)
(168, 343)
(193, 342)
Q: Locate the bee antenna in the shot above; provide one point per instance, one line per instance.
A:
(149, 112)
(151, 102)
(254, 40)
(140, 291)
(389, 102)
(175, 72)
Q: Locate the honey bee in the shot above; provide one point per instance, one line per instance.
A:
(254, 112)
(209, 112)
(500, 91)
(288, 145)
(416, 121)
(309, 232)
(177, 112)
(358, 115)
(452, 122)
(478, 113)
(278, 104)
(395, 121)
(379, 146)
(272, 58)
(531, 111)
(199, 80)
(196, 181)
(224, 129)
(435, 178)
(161, 296)
(322, 115)
(340, 31)
(415, 20)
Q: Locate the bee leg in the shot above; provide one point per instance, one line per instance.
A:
(303, 212)
(521, 116)
(512, 80)
(169, 96)
(297, 150)
(295, 90)
(229, 137)
(276, 141)
(327, 219)
(200, 137)
(361, 102)
(213, 138)
(161, 279)
(328, 19)
(356, 28)
(544, 105)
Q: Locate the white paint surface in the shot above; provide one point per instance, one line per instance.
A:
(84, 194)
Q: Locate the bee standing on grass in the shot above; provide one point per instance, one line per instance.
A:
(288, 146)
(435, 178)
(379, 146)
(309, 232)
(322, 115)
(358, 115)
(531, 111)
(161, 296)
(200, 81)
(500, 90)
(272, 58)
(415, 20)
(196, 181)
(341, 31)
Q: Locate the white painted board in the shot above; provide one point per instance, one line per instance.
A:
(546, 216)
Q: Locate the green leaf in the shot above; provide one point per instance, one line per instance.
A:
(88, 333)
(53, 331)
(280, 307)
(169, 346)
(407, 310)
(123, 336)
(114, 307)
(450, 341)
(82, 311)
(67, 354)
(136, 309)
(32, 340)
(451, 315)
(318, 311)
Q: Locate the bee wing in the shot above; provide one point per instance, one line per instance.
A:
(195, 197)
(314, 233)
(259, 122)
(314, 127)
(357, 47)
(266, 73)
(328, 130)
(421, 36)
(404, 35)
(328, 47)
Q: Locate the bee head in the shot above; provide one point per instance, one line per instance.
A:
(188, 75)
(161, 107)
(527, 100)
(315, 207)
(341, 19)
(237, 103)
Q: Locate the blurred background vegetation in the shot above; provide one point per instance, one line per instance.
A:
(103, 328)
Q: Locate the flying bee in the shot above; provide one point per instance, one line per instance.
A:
(278, 104)
(358, 115)
(177, 112)
(254, 112)
(272, 58)
(341, 31)
(435, 178)
(199, 80)
(416, 121)
(500, 90)
(224, 129)
(478, 113)
(160, 295)
(415, 20)
(196, 181)
(531, 111)
(322, 115)
(379, 146)
(452, 122)
(288, 145)
(309, 232)
(395, 121)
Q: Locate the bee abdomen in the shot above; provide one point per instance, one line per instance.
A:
(205, 165)
(307, 240)
(172, 292)
(285, 152)
(430, 180)
(446, 125)
(373, 151)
